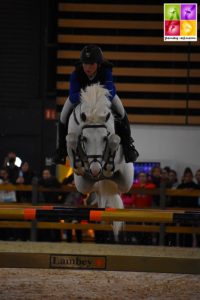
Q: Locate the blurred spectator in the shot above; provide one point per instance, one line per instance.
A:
(142, 200)
(172, 184)
(12, 168)
(187, 182)
(155, 178)
(186, 240)
(165, 175)
(171, 238)
(197, 177)
(6, 196)
(25, 176)
(49, 181)
(167, 169)
(132, 200)
(139, 200)
(127, 200)
(72, 199)
(187, 178)
(173, 180)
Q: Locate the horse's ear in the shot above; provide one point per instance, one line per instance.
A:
(107, 116)
(83, 117)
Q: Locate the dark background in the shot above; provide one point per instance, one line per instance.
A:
(27, 79)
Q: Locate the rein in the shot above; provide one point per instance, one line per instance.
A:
(75, 117)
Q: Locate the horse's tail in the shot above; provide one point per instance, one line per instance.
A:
(108, 196)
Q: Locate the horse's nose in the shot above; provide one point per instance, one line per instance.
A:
(95, 168)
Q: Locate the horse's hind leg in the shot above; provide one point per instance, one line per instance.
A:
(124, 177)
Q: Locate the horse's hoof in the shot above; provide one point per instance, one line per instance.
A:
(107, 173)
(79, 172)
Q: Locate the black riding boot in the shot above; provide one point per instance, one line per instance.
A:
(61, 151)
(122, 127)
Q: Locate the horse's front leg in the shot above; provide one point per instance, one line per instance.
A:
(83, 185)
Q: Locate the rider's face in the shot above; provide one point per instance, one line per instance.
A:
(90, 69)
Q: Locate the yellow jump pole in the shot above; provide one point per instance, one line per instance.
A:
(13, 214)
(97, 215)
(132, 216)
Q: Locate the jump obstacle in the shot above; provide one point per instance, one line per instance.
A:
(93, 256)
(99, 257)
(100, 215)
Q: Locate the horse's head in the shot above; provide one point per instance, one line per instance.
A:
(97, 128)
(93, 145)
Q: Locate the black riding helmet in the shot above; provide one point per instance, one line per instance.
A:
(91, 54)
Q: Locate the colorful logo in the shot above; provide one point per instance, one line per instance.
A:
(180, 22)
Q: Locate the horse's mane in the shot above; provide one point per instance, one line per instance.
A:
(95, 103)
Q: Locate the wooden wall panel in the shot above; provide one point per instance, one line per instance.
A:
(157, 81)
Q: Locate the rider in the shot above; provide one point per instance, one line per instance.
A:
(93, 68)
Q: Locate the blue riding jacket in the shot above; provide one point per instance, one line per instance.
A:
(79, 80)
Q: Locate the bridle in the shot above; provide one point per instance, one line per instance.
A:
(81, 157)
(89, 159)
